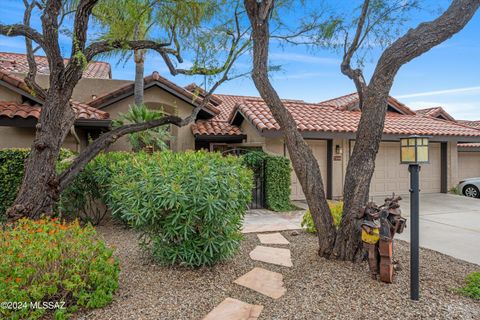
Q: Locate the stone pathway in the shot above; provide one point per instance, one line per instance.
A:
(233, 309)
(266, 282)
(279, 256)
(261, 280)
(272, 238)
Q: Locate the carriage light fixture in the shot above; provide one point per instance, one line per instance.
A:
(414, 150)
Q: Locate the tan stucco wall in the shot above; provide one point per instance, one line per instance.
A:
(9, 95)
(340, 161)
(87, 87)
(254, 139)
(12, 137)
(156, 98)
(452, 164)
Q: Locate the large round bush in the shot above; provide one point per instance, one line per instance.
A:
(48, 263)
(189, 205)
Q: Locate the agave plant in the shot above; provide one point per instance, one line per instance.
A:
(157, 138)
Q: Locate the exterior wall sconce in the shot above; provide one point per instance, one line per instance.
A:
(338, 149)
(413, 151)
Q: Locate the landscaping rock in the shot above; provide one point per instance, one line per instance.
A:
(264, 281)
(278, 256)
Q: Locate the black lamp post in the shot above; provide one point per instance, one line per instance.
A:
(413, 151)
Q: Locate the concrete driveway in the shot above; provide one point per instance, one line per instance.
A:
(449, 224)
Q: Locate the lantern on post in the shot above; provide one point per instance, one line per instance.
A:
(414, 150)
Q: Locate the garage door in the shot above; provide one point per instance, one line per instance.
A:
(468, 165)
(319, 148)
(391, 176)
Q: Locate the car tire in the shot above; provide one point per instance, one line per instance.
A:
(471, 191)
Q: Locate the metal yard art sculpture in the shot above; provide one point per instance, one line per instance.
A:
(379, 225)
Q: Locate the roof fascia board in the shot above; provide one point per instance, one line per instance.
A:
(153, 83)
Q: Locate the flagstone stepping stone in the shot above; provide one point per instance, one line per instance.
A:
(263, 281)
(278, 256)
(233, 309)
(272, 238)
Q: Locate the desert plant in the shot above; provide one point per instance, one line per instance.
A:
(189, 206)
(157, 138)
(336, 207)
(51, 261)
(472, 287)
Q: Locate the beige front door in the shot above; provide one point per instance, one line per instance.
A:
(319, 148)
(391, 176)
(468, 165)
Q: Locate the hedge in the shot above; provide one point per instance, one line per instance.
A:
(278, 183)
(277, 178)
(11, 174)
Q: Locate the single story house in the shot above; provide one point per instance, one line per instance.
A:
(232, 121)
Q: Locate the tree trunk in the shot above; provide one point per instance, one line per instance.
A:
(361, 165)
(139, 57)
(39, 189)
(304, 162)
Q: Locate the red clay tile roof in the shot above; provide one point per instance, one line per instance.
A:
(230, 101)
(212, 127)
(435, 112)
(470, 123)
(14, 81)
(320, 117)
(154, 77)
(192, 87)
(469, 145)
(349, 101)
(23, 110)
(17, 62)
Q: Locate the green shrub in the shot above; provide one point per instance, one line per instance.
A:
(254, 159)
(50, 261)
(83, 198)
(11, 174)
(336, 207)
(472, 288)
(278, 183)
(190, 206)
(277, 178)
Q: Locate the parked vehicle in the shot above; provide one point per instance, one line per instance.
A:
(470, 187)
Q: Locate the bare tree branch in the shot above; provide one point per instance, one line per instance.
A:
(21, 30)
(32, 64)
(106, 140)
(355, 74)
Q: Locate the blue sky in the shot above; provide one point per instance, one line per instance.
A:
(448, 75)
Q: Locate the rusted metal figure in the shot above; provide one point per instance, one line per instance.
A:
(379, 225)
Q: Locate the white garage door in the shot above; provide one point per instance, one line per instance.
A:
(391, 176)
(468, 165)
(319, 148)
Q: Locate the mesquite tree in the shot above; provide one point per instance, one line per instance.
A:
(345, 243)
(41, 184)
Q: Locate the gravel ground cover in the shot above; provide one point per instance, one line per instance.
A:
(316, 288)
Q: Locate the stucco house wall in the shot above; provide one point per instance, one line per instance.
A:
(157, 99)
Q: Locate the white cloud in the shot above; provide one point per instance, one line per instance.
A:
(475, 89)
